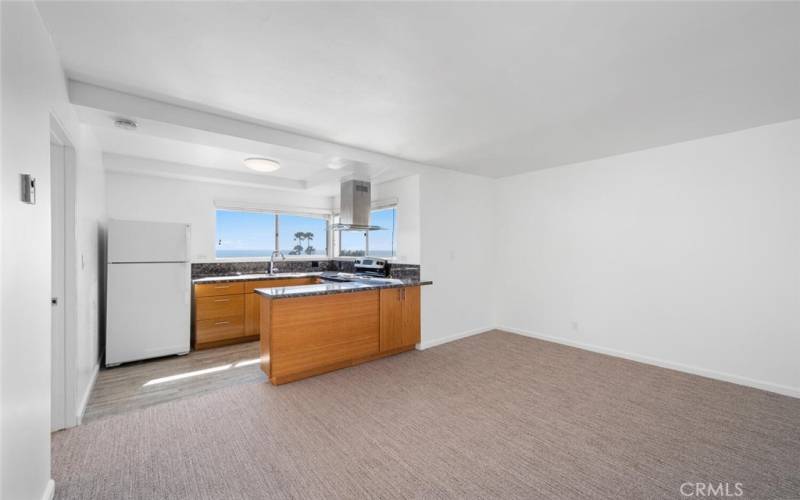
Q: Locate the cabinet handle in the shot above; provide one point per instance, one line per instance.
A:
(218, 323)
(221, 287)
(222, 300)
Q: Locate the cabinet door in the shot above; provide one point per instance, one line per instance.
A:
(391, 318)
(252, 314)
(411, 324)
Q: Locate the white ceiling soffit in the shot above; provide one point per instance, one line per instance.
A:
(181, 134)
(209, 145)
(161, 141)
(148, 166)
(322, 184)
(485, 87)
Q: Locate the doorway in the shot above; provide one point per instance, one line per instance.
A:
(57, 289)
(62, 398)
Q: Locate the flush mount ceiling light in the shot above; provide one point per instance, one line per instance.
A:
(126, 124)
(262, 164)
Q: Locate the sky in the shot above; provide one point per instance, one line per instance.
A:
(253, 231)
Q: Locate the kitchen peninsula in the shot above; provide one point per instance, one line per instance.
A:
(318, 317)
(311, 329)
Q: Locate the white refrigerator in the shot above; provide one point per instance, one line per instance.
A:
(148, 295)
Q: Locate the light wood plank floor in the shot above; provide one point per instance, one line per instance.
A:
(148, 383)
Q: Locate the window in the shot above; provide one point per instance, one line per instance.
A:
(300, 235)
(245, 234)
(380, 243)
(352, 243)
(258, 234)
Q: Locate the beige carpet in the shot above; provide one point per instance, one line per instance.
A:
(492, 416)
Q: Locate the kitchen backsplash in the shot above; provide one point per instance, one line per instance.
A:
(404, 271)
(207, 269)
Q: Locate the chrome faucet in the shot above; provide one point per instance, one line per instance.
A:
(272, 269)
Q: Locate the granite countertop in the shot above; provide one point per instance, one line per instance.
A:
(286, 292)
(253, 277)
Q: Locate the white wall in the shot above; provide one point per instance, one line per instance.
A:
(456, 213)
(33, 88)
(686, 255)
(406, 192)
(89, 263)
(2, 237)
(139, 197)
(144, 197)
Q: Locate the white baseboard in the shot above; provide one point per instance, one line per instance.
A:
(726, 377)
(81, 409)
(49, 490)
(426, 344)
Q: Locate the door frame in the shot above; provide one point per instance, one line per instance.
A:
(60, 137)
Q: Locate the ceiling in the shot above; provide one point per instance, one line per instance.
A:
(488, 88)
(158, 144)
(198, 149)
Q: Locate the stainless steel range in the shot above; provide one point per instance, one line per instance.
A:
(366, 269)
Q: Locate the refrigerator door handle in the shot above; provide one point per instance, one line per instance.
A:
(188, 294)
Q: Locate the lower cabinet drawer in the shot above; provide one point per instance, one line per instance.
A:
(213, 289)
(218, 307)
(214, 330)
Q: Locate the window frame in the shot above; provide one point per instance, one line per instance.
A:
(379, 205)
(277, 212)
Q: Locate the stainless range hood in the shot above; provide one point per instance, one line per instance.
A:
(356, 203)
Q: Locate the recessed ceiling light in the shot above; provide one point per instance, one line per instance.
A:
(262, 164)
(126, 124)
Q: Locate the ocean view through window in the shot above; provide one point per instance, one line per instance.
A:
(302, 235)
(379, 243)
(242, 234)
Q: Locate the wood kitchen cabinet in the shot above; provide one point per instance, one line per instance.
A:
(218, 331)
(228, 313)
(252, 306)
(308, 335)
(304, 336)
(219, 306)
(399, 317)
